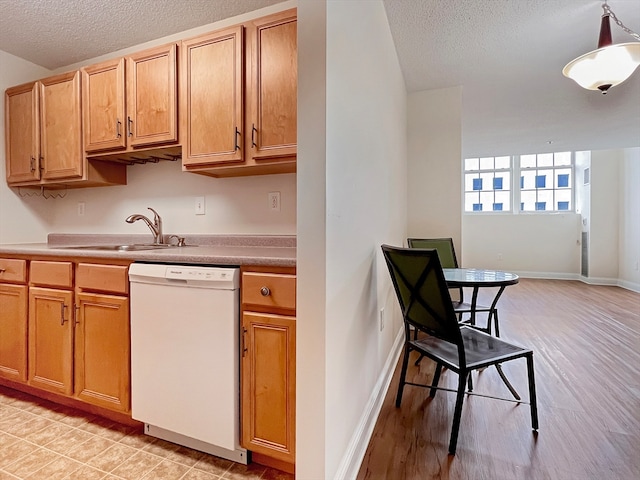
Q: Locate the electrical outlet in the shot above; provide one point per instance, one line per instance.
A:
(381, 319)
(274, 201)
(81, 209)
(199, 205)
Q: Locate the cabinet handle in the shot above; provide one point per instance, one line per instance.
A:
(62, 320)
(32, 164)
(265, 292)
(2, 270)
(244, 348)
(129, 123)
(254, 131)
(236, 138)
(41, 163)
(118, 123)
(77, 313)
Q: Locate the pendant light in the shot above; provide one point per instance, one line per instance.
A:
(610, 64)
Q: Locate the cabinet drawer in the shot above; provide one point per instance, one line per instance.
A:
(52, 274)
(269, 290)
(12, 270)
(103, 278)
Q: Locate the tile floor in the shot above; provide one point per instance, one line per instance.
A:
(43, 440)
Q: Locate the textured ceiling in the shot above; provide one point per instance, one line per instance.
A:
(507, 55)
(56, 33)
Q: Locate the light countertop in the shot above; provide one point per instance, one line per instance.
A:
(263, 250)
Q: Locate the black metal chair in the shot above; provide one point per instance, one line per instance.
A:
(448, 259)
(426, 305)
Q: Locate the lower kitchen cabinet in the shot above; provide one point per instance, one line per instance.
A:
(269, 366)
(13, 332)
(269, 385)
(14, 302)
(67, 332)
(102, 350)
(51, 340)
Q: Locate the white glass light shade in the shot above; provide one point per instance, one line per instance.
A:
(605, 67)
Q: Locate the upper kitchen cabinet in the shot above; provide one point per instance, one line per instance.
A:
(22, 133)
(212, 87)
(152, 98)
(61, 127)
(43, 136)
(272, 88)
(44, 130)
(239, 99)
(131, 103)
(104, 105)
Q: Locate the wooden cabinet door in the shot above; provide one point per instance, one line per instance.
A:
(211, 104)
(61, 127)
(272, 95)
(104, 105)
(51, 339)
(152, 109)
(13, 332)
(269, 385)
(22, 133)
(102, 365)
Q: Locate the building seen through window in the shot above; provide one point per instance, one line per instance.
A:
(531, 183)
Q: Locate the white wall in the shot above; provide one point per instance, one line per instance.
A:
(233, 205)
(22, 219)
(435, 165)
(629, 246)
(532, 245)
(365, 207)
(605, 209)
(311, 343)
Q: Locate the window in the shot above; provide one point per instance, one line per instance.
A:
(487, 184)
(546, 183)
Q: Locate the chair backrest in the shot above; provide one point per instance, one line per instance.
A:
(444, 246)
(422, 292)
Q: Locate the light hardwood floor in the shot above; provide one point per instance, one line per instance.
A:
(586, 342)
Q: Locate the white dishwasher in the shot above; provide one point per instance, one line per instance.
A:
(185, 355)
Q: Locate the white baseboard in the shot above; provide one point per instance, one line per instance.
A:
(599, 281)
(352, 459)
(549, 275)
(634, 287)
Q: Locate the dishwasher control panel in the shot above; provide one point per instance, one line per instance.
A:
(187, 275)
(198, 273)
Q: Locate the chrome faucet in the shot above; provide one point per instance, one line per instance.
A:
(155, 227)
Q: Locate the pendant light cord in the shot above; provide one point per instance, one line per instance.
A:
(608, 11)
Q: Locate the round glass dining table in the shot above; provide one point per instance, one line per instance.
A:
(476, 278)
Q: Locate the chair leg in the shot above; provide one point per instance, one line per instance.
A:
(532, 392)
(436, 379)
(403, 375)
(457, 413)
(506, 381)
(417, 362)
(470, 382)
(495, 321)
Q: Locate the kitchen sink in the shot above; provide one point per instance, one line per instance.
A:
(120, 248)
